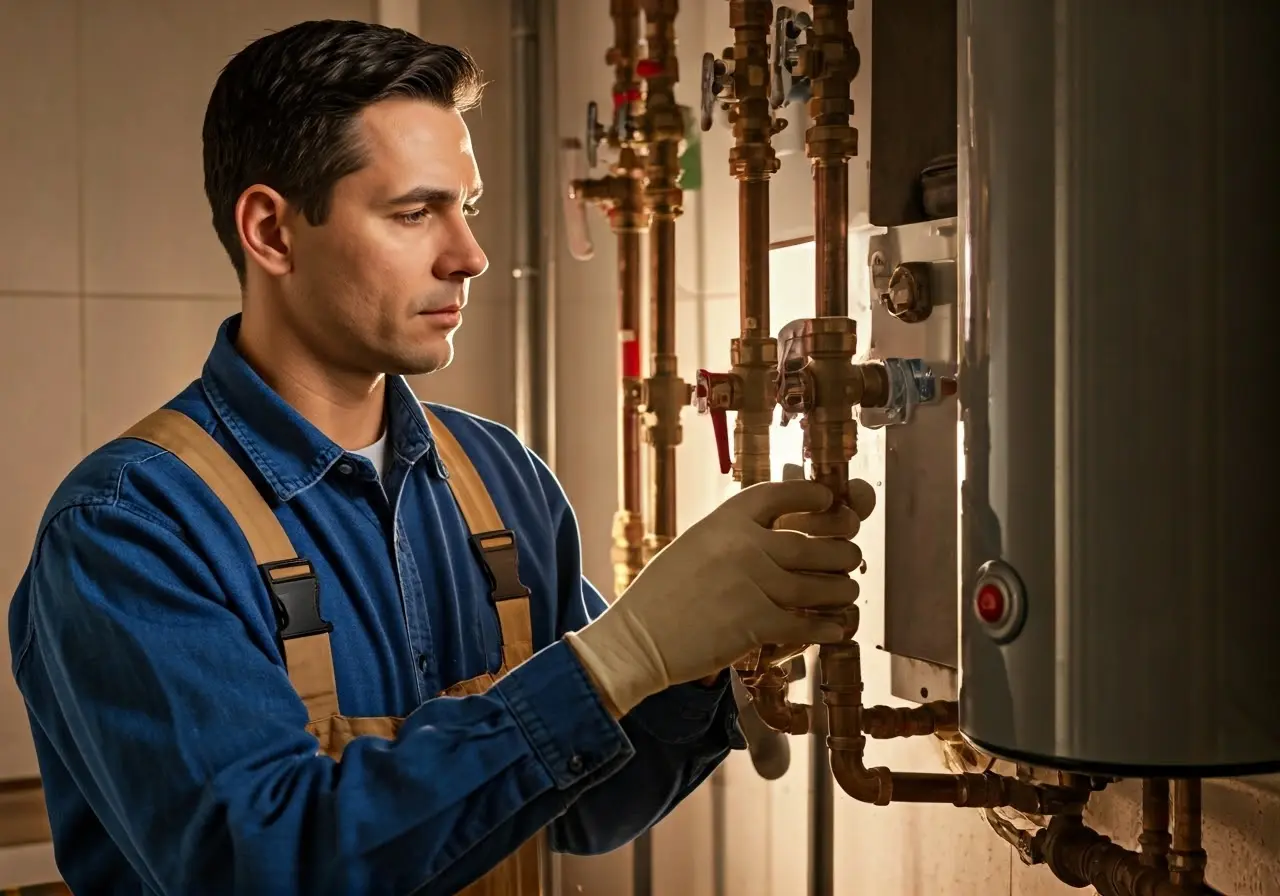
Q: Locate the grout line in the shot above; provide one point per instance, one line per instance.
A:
(77, 33)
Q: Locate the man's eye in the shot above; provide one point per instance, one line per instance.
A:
(470, 211)
(414, 217)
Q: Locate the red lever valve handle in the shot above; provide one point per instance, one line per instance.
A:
(719, 420)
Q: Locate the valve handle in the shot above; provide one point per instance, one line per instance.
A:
(713, 71)
(648, 68)
(788, 26)
(575, 205)
(719, 419)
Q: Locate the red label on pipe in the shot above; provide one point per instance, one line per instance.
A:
(631, 357)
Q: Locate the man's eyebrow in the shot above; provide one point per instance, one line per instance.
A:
(434, 196)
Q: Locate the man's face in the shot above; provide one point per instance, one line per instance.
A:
(380, 286)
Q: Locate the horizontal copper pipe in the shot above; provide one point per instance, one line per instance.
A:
(883, 722)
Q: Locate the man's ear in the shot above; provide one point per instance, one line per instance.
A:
(262, 218)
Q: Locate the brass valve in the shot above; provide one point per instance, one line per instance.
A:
(817, 379)
(785, 86)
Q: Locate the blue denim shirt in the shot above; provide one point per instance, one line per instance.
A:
(172, 745)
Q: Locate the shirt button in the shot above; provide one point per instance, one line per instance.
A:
(422, 662)
(345, 468)
(576, 765)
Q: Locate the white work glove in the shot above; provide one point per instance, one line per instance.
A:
(843, 520)
(728, 584)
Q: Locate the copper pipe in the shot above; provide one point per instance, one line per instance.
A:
(631, 491)
(753, 255)
(665, 394)
(621, 194)
(831, 226)
(841, 666)
(665, 430)
(1187, 857)
(628, 524)
(937, 717)
(769, 696)
(754, 354)
(1081, 857)
(662, 283)
(1154, 841)
(831, 60)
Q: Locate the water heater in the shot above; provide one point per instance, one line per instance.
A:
(1118, 608)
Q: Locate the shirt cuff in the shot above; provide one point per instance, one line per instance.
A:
(563, 717)
(685, 712)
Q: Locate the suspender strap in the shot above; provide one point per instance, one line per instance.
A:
(303, 633)
(494, 545)
(291, 580)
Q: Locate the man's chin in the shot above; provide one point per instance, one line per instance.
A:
(424, 364)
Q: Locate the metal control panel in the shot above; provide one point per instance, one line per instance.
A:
(912, 277)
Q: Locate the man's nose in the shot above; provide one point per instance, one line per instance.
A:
(463, 258)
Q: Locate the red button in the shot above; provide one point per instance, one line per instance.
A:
(990, 604)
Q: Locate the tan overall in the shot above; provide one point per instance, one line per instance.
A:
(307, 653)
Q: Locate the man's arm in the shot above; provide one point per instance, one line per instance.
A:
(188, 741)
(679, 735)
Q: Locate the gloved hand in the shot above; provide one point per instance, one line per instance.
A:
(842, 520)
(727, 584)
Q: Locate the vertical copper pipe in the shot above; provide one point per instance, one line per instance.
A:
(753, 257)
(631, 489)
(665, 394)
(1187, 857)
(662, 283)
(1154, 841)
(753, 162)
(623, 195)
(662, 248)
(831, 210)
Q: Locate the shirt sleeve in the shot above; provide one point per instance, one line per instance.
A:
(679, 735)
(189, 743)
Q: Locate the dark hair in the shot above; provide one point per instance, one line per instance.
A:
(282, 111)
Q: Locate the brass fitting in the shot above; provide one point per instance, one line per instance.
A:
(663, 122)
(821, 383)
(628, 549)
(619, 194)
(665, 395)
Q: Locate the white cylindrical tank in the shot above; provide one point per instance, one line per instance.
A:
(1119, 612)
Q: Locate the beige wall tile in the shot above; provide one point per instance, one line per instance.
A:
(147, 68)
(39, 176)
(28, 865)
(139, 353)
(40, 404)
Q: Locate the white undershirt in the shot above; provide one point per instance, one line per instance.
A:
(377, 454)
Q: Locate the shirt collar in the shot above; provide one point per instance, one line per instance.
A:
(291, 453)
